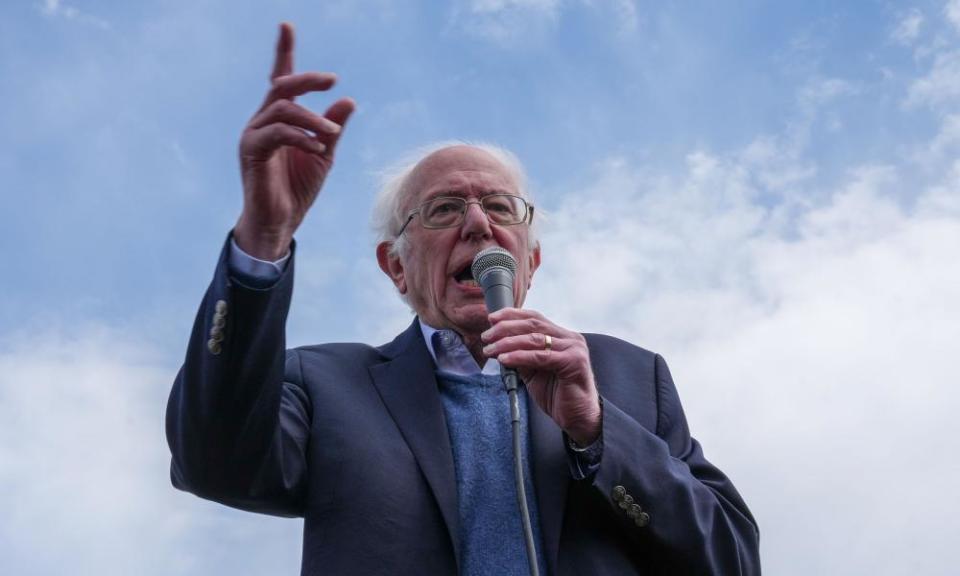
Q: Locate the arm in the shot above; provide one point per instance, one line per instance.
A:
(656, 484)
(237, 427)
(694, 515)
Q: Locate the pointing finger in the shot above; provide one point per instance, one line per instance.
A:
(283, 62)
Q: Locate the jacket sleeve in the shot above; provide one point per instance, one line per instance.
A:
(659, 486)
(238, 416)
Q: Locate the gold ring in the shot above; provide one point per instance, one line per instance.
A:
(547, 342)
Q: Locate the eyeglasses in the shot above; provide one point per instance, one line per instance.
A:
(449, 211)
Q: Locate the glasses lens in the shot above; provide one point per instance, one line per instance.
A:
(504, 209)
(444, 211)
(441, 212)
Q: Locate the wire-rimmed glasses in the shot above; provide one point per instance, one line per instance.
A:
(449, 211)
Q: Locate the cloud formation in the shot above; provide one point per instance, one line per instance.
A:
(810, 334)
(908, 28)
(57, 9)
(509, 22)
(84, 477)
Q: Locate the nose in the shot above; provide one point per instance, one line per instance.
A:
(475, 222)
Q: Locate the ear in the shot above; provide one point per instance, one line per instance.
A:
(533, 263)
(391, 266)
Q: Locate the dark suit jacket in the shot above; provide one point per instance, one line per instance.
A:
(352, 437)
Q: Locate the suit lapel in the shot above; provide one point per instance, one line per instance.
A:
(407, 384)
(551, 477)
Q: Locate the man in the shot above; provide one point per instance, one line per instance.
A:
(397, 456)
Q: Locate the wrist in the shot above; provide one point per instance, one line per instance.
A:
(586, 432)
(261, 242)
(584, 439)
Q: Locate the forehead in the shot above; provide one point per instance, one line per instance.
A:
(458, 169)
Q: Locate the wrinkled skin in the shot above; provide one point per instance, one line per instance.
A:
(560, 380)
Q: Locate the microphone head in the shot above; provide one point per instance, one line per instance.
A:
(493, 259)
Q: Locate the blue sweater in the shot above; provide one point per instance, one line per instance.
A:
(478, 421)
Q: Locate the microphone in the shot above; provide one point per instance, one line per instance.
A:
(494, 269)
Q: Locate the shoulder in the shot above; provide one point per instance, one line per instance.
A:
(606, 349)
(626, 375)
(334, 355)
(351, 359)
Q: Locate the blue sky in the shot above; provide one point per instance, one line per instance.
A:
(768, 195)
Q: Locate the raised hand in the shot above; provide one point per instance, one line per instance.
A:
(286, 152)
(558, 376)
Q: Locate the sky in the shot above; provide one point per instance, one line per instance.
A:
(766, 194)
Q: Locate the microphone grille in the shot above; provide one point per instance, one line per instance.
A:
(493, 257)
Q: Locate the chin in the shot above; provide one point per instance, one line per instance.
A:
(472, 322)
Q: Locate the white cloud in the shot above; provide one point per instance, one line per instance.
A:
(509, 22)
(547, 7)
(504, 22)
(818, 93)
(811, 339)
(57, 9)
(952, 12)
(941, 86)
(626, 12)
(908, 28)
(84, 464)
(944, 143)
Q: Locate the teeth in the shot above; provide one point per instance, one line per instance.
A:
(469, 283)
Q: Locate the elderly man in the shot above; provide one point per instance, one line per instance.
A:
(398, 456)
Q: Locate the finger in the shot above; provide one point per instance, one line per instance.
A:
(283, 61)
(293, 85)
(288, 112)
(547, 360)
(339, 113)
(514, 314)
(262, 142)
(505, 328)
(534, 342)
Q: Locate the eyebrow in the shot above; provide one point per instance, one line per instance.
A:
(463, 194)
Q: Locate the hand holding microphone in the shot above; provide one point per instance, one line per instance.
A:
(553, 362)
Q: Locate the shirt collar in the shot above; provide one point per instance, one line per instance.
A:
(451, 355)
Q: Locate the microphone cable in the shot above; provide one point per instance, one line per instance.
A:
(494, 270)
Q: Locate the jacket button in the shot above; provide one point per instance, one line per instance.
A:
(642, 519)
(634, 511)
(626, 502)
(216, 335)
(618, 493)
(213, 346)
(221, 307)
(219, 321)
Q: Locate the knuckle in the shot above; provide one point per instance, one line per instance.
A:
(283, 107)
(277, 134)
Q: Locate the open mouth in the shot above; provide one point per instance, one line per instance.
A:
(465, 277)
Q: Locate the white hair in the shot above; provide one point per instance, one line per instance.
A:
(388, 216)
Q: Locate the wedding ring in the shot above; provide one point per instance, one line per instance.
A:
(547, 342)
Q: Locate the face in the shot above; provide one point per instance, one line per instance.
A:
(427, 271)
